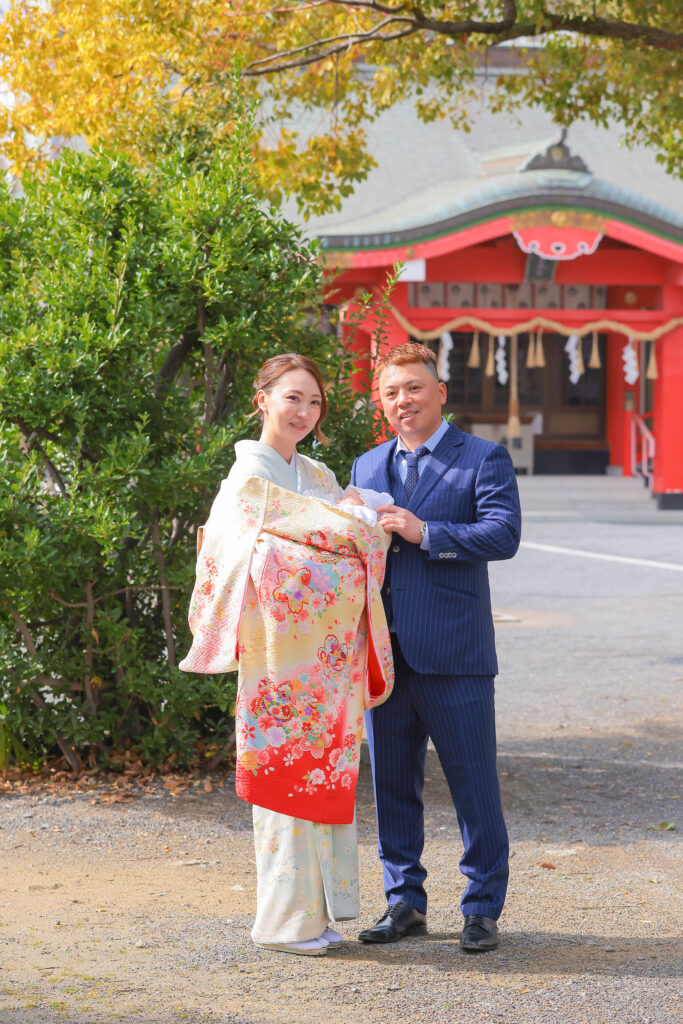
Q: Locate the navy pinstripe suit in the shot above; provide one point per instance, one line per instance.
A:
(438, 602)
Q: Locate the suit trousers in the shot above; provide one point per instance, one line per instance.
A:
(457, 712)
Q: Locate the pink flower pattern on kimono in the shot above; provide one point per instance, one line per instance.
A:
(293, 589)
(276, 736)
(334, 656)
(208, 583)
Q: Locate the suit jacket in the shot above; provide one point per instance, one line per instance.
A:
(440, 599)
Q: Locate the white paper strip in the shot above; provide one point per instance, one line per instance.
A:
(501, 361)
(629, 357)
(442, 361)
(571, 347)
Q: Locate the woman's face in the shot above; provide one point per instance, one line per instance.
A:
(290, 409)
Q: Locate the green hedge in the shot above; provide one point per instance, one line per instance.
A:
(135, 307)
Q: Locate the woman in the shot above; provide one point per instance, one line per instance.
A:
(289, 585)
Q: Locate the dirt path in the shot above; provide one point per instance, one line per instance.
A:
(140, 912)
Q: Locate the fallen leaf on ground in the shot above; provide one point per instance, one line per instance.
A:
(547, 864)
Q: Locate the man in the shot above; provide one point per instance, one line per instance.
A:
(456, 508)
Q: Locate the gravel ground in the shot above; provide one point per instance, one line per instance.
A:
(139, 911)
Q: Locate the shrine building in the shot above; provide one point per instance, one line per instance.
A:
(553, 298)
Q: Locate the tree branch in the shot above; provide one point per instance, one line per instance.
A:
(89, 653)
(219, 397)
(70, 754)
(412, 21)
(175, 359)
(103, 597)
(209, 371)
(165, 599)
(467, 27)
(225, 749)
(48, 435)
(604, 28)
(29, 443)
(282, 61)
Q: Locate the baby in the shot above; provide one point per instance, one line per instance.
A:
(361, 502)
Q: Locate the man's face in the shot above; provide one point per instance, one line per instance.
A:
(412, 399)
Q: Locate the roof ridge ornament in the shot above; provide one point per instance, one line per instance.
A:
(557, 157)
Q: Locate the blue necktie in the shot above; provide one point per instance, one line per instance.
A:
(412, 475)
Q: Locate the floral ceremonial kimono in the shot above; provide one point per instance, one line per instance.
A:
(292, 586)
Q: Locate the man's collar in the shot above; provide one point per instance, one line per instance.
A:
(430, 443)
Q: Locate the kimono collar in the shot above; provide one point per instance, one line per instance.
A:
(254, 458)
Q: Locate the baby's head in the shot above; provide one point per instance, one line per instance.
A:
(352, 498)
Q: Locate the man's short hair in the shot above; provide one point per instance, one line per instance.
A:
(401, 355)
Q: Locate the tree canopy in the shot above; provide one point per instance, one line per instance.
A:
(147, 73)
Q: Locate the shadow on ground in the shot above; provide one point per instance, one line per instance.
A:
(602, 788)
(549, 953)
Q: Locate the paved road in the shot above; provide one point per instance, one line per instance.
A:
(599, 644)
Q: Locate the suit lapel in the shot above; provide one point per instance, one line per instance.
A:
(384, 456)
(446, 454)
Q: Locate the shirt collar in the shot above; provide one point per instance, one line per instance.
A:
(430, 443)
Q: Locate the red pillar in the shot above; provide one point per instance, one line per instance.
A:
(361, 347)
(617, 425)
(668, 409)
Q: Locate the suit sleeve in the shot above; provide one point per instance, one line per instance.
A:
(353, 473)
(495, 532)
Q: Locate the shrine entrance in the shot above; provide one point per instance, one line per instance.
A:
(562, 422)
(554, 304)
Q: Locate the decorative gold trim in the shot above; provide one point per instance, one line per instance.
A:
(559, 219)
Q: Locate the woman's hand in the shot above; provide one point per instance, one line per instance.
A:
(399, 520)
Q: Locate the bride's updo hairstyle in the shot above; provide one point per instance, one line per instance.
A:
(275, 368)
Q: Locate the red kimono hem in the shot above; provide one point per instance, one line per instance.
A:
(334, 808)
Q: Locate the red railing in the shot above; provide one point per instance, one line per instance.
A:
(643, 447)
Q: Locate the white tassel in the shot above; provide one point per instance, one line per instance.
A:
(501, 361)
(443, 359)
(571, 348)
(629, 358)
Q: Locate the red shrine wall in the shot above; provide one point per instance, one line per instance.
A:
(668, 405)
(643, 289)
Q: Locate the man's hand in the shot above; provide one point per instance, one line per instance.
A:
(399, 520)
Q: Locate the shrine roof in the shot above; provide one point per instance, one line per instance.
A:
(446, 207)
(433, 179)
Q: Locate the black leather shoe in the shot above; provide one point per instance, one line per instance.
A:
(399, 920)
(479, 934)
